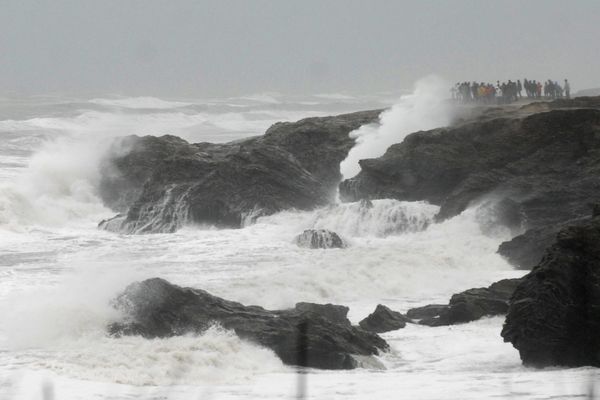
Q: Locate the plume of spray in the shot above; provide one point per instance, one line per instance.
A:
(426, 107)
(59, 184)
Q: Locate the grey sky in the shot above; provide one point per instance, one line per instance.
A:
(227, 47)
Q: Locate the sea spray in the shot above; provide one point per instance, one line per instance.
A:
(426, 108)
(58, 185)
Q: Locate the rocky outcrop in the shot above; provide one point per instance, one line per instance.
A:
(554, 316)
(320, 239)
(384, 320)
(543, 158)
(526, 250)
(468, 306)
(312, 335)
(159, 184)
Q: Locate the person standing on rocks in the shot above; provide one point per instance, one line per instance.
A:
(527, 86)
(475, 90)
(567, 89)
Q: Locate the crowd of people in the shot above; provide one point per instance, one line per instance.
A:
(508, 92)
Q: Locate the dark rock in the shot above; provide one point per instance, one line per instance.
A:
(469, 305)
(332, 312)
(162, 183)
(312, 335)
(543, 159)
(473, 304)
(554, 316)
(320, 239)
(320, 144)
(384, 320)
(429, 311)
(213, 184)
(439, 320)
(527, 249)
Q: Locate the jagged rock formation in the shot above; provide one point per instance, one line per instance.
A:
(544, 158)
(554, 316)
(320, 239)
(312, 335)
(384, 320)
(468, 306)
(159, 184)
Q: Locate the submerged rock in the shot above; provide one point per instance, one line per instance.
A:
(162, 183)
(554, 316)
(383, 320)
(312, 335)
(469, 305)
(320, 239)
(541, 160)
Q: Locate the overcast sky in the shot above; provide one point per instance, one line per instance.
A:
(227, 47)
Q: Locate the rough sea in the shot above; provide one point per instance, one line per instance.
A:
(58, 272)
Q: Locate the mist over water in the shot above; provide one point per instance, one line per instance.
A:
(427, 107)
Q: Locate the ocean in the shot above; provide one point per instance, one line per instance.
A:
(58, 271)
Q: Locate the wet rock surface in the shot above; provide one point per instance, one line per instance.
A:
(312, 335)
(159, 184)
(384, 320)
(554, 316)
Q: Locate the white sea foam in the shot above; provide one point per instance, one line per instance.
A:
(57, 186)
(215, 356)
(417, 259)
(378, 218)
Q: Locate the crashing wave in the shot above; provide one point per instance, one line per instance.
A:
(376, 218)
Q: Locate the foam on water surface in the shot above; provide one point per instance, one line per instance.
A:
(58, 274)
